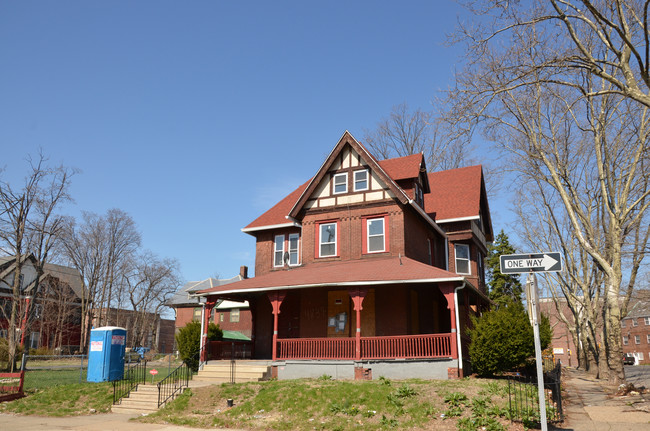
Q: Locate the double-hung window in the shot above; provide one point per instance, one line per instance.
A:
(341, 183)
(376, 235)
(234, 315)
(327, 240)
(361, 180)
(462, 258)
(637, 339)
(294, 241)
(646, 320)
(278, 250)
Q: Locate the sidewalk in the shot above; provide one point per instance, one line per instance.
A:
(590, 405)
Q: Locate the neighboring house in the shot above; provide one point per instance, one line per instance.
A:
(55, 313)
(142, 329)
(635, 329)
(233, 317)
(371, 268)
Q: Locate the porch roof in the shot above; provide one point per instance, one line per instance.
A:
(363, 272)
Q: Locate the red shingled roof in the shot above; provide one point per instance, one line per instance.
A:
(454, 193)
(401, 168)
(277, 214)
(341, 273)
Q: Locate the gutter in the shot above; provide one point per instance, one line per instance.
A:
(460, 347)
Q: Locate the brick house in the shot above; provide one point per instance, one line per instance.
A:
(52, 304)
(635, 327)
(371, 268)
(233, 317)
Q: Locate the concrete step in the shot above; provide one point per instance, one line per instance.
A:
(245, 371)
(142, 400)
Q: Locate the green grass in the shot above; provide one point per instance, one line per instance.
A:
(64, 400)
(41, 379)
(321, 404)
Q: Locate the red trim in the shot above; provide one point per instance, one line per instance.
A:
(338, 238)
(364, 233)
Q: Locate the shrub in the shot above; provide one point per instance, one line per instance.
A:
(188, 340)
(502, 339)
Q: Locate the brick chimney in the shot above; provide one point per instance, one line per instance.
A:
(243, 271)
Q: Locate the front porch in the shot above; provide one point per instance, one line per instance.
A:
(354, 330)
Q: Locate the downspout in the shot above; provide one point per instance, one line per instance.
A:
(459, 346)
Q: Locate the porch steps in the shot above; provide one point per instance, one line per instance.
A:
(144, 400)
(245, 371)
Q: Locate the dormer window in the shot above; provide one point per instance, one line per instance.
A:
(419, 195)
(341, 183)
(361, 180)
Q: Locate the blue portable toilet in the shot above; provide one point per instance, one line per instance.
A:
(106, 354)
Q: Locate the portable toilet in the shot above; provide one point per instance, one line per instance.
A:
(106, 354)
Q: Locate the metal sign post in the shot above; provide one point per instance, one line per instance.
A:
(531, 263)
(533, 306)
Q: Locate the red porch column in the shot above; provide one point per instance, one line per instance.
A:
(209, 305)
(447, 290)
(276, 299)
(358, 294)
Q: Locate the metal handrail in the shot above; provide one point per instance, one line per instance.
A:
(133, 376)
(173, 383)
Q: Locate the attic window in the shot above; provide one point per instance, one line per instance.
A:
(361, 180)
(341, 183)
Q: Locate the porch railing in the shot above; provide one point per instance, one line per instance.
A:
(404, 346)
(316, 348)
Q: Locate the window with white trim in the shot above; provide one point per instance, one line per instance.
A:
(623, 323)
(626, 340)
(376, 235)
(327, 240)
(361, 180)
(234, 315)
(648, 338)
(294, 243)
(341, 183)
(638, 356)
(462, 258)
(637, 339)
(646, 320)
(278, 250)
(635, 322)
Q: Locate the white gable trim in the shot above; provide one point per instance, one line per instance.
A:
(270, 226)
(451, 220)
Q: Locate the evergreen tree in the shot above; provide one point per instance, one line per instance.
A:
(503, 288)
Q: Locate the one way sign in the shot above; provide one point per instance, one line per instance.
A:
(534, 262)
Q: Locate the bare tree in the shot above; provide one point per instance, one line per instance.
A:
(148, 286)
(407, 132)
(562, 89)
(29, 224)
(98, 248)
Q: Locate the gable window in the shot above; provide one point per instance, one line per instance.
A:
(376, 236)
(462, 258)
(294, 240)
(327, 240)
(361, 180)
(341, 183)
(278, 253)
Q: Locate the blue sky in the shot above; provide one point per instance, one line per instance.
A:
(196, 117)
